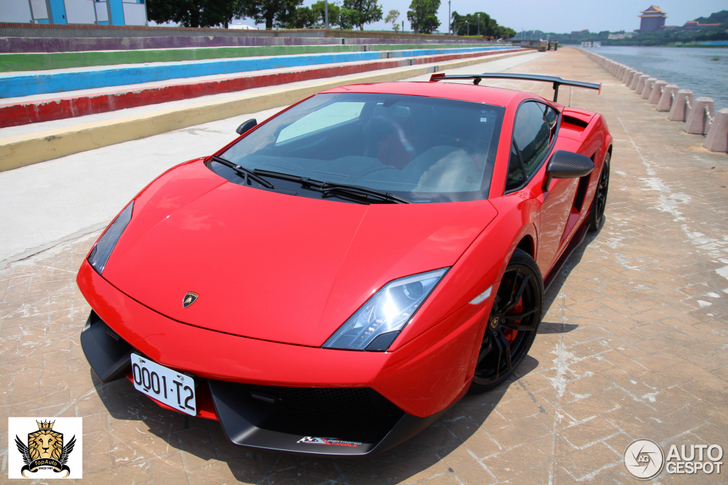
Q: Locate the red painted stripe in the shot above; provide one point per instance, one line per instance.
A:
(69, 107)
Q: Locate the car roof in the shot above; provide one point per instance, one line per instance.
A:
(449, 90)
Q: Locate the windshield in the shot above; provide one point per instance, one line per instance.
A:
(417, 148)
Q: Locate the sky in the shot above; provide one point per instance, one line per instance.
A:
(560, 16)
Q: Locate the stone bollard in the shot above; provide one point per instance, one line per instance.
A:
(656, 92)
(628, 75)
(647, 89)
(681, 107)
(620, 71)
(699, 118)
(668, 95)
(635, 80)
(717, 139)
(641, 83)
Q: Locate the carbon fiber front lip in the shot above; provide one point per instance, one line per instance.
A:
(248, 423)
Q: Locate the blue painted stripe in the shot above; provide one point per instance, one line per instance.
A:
(29, 84)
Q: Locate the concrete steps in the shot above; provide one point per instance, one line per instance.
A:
(36, 142)
(36, 61)
(40, 82)
(40, 108)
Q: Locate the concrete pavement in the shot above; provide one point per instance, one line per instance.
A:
(632, 345)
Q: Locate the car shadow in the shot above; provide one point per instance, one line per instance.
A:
(205, 440)
(571, 262)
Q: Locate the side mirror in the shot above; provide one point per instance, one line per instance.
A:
(567, 165)
(245, 126)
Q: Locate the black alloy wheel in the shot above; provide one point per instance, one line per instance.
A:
(512, 324)
(596, 214)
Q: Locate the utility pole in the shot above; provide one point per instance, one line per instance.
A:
(326, 14)
(478, 24)
(449, 17)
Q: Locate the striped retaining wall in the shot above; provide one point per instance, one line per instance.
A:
(70, 106)
(36, 61)
(54, 82)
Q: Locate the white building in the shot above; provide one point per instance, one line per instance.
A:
(100, 12)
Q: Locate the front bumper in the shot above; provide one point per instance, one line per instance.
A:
(332, 421)
(348, 402)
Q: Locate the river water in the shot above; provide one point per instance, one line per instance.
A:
(703, 70)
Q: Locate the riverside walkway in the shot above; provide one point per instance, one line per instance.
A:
(633, 344)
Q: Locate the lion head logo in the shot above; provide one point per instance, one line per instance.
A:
(45, 443)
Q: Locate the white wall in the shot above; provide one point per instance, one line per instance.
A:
(15, 11)
(40, 9)
(102, 12)
(80, 11)
(135, 13)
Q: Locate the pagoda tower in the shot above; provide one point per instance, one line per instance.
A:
(652, 19)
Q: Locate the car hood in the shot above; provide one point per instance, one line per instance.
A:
(274, 266)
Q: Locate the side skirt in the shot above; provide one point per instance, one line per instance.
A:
(573, 244)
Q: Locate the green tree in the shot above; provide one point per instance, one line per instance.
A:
(391, 18)
(270, 12)
(423, 15)
(361, 12)
(347, 18)
(715, 18)
(318, 9)
(303, 18)
(192, 13)
(468, 25)
(314, 17)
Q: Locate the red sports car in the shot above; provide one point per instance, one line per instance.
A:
(337, 277)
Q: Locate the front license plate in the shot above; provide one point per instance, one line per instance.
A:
(165, 385)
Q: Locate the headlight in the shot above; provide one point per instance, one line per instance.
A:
(378, 322)
(103, 247)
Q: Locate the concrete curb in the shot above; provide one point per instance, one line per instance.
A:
(38, 147)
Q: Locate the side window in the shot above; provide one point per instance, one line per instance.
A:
(532, 134)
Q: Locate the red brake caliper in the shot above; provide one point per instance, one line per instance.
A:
(509, 334)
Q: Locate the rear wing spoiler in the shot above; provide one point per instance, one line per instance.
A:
(557, 81)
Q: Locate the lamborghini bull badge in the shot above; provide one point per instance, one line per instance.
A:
(189, 299)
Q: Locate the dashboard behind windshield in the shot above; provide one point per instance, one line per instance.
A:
(418, 148)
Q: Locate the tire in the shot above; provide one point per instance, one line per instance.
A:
(599, 204)
(512, 324)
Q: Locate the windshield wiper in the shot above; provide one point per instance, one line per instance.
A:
(334, 189)
(247, 174)
(329, 188)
